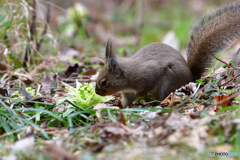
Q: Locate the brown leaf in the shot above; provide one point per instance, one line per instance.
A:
(225, 101)
(121, 118)
(165, 102)
(90, 72)
(175, 99)
(215, 107)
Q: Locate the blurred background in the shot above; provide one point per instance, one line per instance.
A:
(130, 24)
(76, 28)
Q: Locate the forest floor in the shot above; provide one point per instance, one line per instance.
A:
(51, 56)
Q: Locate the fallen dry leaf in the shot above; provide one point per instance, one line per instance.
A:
(121, 118)
(175, 99)
(188, 89)
(165, 102)
(224, 98)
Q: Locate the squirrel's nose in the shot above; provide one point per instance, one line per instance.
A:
(97, 91)
(100, 92)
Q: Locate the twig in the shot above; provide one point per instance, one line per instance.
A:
(228, 65)
(45, 25)
(15, 131)
(32, 32)
(31, 45)
(230, 80)
(33, 23)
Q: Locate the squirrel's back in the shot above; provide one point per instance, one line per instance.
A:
(158, 51)
(213, 33)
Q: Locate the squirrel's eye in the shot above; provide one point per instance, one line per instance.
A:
(104, 82)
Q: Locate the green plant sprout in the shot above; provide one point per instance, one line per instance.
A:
(29, 90)
(84, 95)
(200, 81)
(76, 12)
(74, 21)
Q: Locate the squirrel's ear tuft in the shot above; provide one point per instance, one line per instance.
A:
(114, 67)
(109, 50)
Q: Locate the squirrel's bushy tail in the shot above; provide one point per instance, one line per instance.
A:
(214, 32)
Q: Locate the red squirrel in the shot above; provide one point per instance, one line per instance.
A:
(158, 69)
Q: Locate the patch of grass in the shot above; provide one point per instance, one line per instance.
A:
(171, 18)
(22, 34)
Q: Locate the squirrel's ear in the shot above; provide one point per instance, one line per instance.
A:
(109, 51)
(114, 67)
